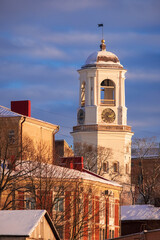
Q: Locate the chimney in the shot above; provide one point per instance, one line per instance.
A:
(72, 162)
(21, 107)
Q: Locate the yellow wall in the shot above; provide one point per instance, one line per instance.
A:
(43, 231)
(34, 132)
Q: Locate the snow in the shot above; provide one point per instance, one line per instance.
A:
(42, 169)
(19, 222)
(140, 212)
(6, 112)
(92, 59)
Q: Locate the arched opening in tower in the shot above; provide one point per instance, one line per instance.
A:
(108, 92)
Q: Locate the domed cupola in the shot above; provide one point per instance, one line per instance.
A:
(103, 59)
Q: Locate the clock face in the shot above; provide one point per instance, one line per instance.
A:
(81, 116)
(108, 115)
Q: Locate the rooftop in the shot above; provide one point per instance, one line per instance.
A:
(19, 222)
(140, 212)
(102, 58)
(6, 112)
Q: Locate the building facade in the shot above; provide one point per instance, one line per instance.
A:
(82, 204)
(23, 134)
(139, 218)
(102, 114)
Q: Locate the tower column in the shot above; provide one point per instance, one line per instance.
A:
(94, 91)
(79, 93)
(88, 92)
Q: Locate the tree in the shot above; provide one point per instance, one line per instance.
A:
(70, 203)
(95, 158)
(145, 170)
(28, 181)
(11, 172)
(14, 177)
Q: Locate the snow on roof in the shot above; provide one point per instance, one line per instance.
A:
(102, 57)
(44, 169)
(6, 112)
(19, 222)
(140, 212)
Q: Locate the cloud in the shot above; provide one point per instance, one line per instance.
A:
(42, 43)
(144, 76)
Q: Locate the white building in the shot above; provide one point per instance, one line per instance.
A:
(102, 113)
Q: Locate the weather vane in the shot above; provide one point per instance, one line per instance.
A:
(101, 25)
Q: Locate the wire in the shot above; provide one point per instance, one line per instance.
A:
(54, 114)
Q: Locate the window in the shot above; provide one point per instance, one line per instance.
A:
(111, 210)
(103, 234)
(59, 204)
(30, 202)
(60, 231)
(83, 94)
(100, 234)
(127, 168)
(90, 206)
(102, 209)
(11, 137)
(108, 92)
(140, 179)
(4, 165)
(105, 166)
(116, 167)
(89, 232)
(112, 233)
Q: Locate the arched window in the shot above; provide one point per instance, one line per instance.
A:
(116, 167)
(83, 94)
(108, 92)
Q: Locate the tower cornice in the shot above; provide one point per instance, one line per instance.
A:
(98, 127)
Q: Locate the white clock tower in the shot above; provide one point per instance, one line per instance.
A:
(102, 114)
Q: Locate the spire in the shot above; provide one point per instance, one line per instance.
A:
(103, 45)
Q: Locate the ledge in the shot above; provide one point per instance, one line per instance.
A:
(96, 127)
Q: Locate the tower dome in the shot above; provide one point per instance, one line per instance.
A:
(102, 59)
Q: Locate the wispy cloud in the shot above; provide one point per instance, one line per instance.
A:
(144, 76)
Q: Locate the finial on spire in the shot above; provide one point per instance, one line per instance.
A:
(103, 45)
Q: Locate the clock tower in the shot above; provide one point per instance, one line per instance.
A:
(102, 114)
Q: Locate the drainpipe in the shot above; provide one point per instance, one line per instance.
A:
(120, 204)
(24, 118)
(53, 150)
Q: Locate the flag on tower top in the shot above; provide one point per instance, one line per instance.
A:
(100, 25)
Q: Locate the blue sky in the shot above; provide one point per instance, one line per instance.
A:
(43, 43)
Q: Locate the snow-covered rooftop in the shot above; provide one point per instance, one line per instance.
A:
(62, 172)
(6, 112)
(104, 58)
(19, 222)
(140, 212)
